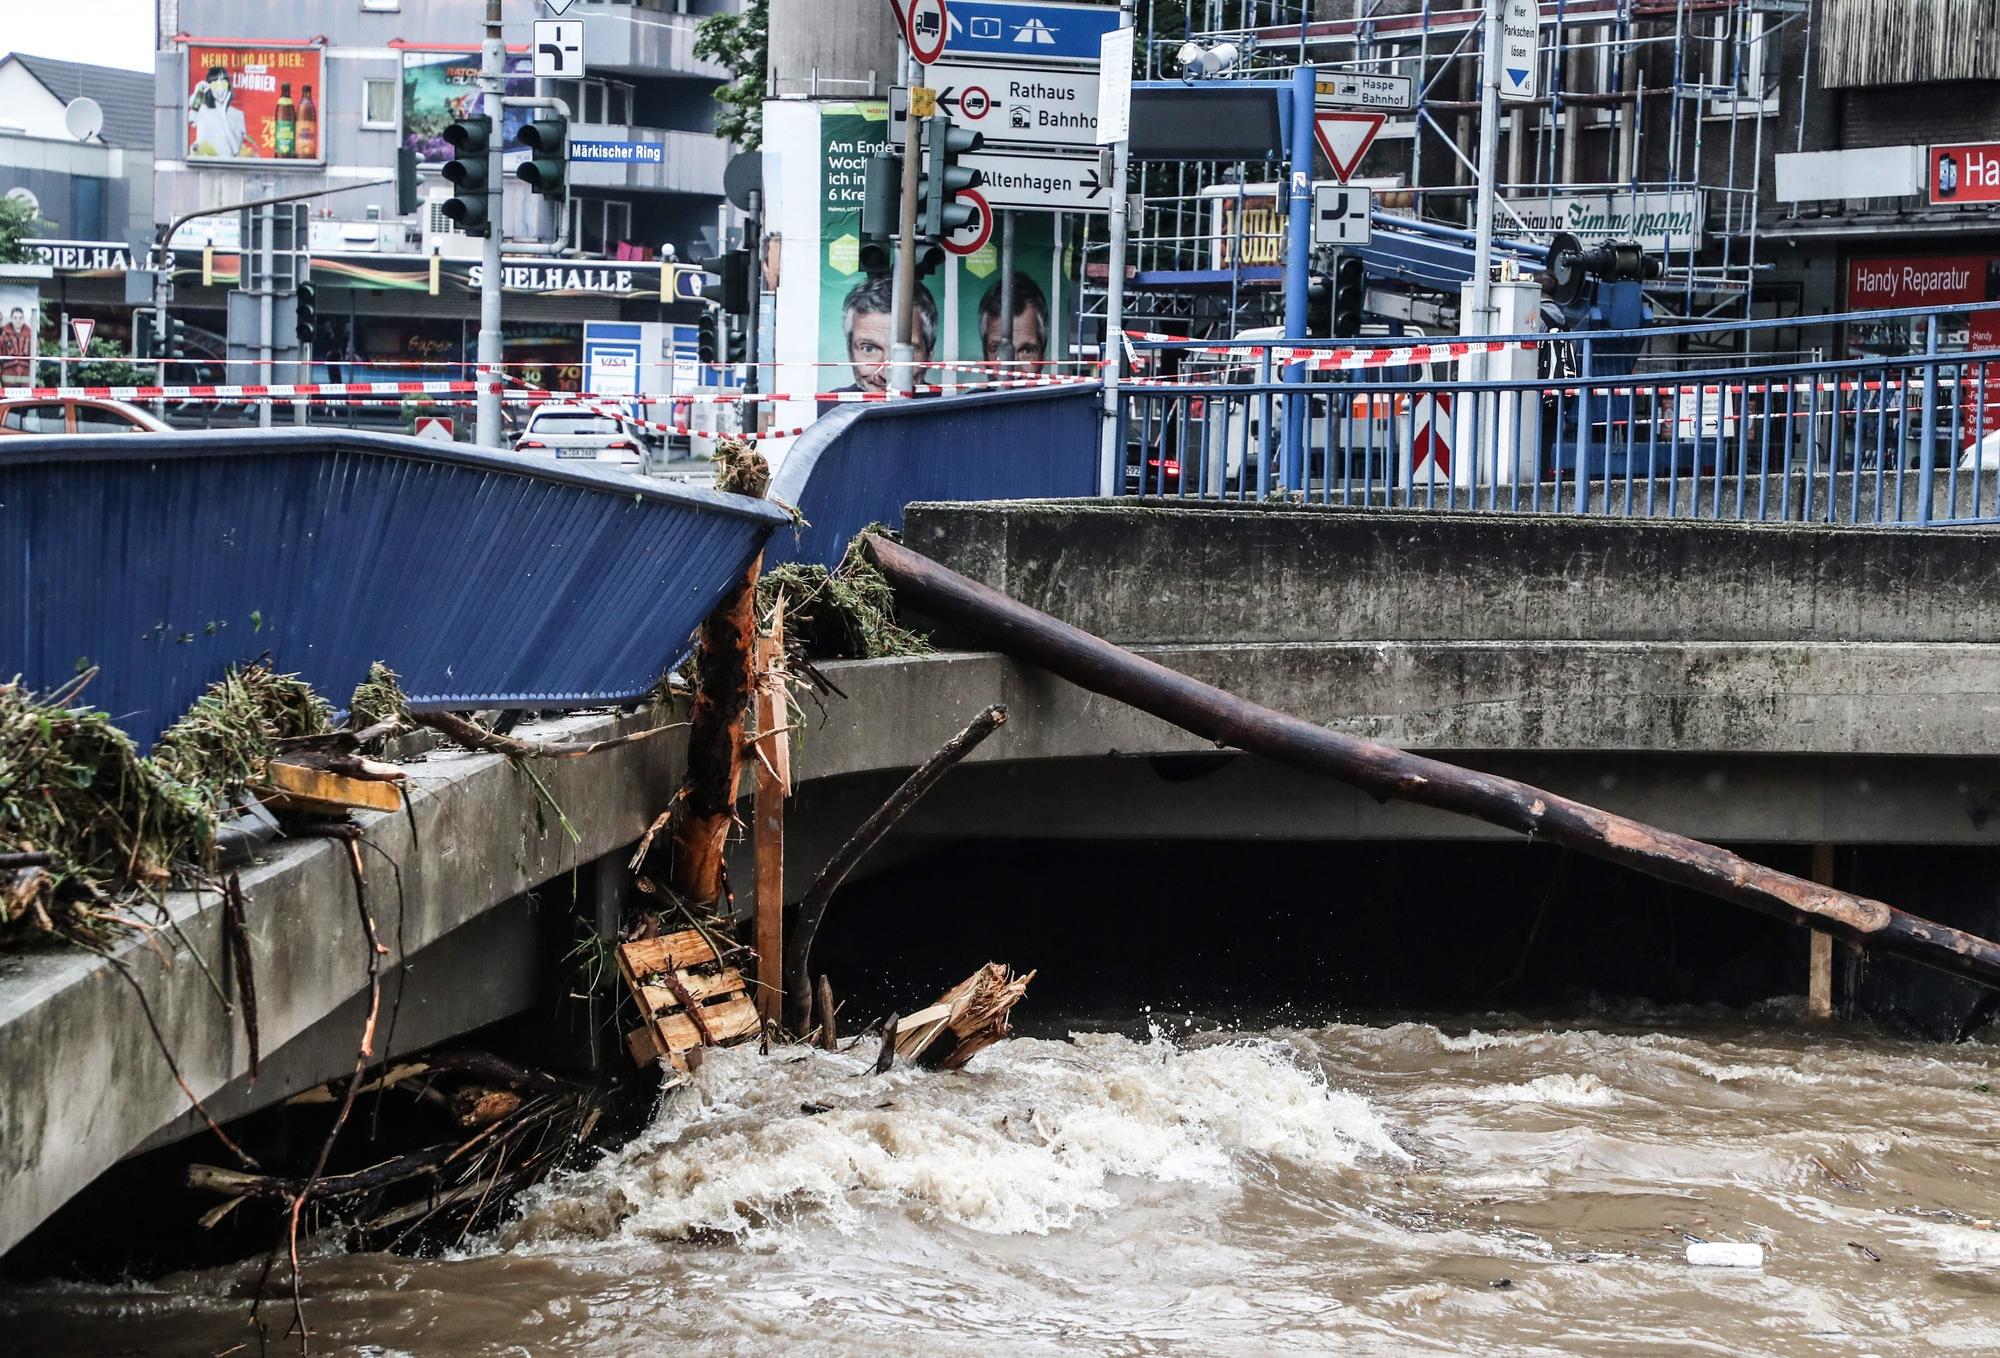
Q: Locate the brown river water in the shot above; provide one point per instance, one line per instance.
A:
(1491, 1187)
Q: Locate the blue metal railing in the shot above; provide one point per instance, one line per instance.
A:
(1909, 439)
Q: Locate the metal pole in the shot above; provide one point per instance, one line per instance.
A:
(1298, 268)
(493, 85)
(1927, 422)
(266, 302)
(1111, 448)
(753, 235)
(1005, 353)
(1481, 320)
(903, 356)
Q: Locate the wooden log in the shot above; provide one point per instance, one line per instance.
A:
(825, 1012)
(812, 906)
(301, 787)
(1392, 774)
(473, 736)
(768, 818)
(1819, 965)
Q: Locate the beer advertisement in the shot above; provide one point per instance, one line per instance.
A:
(254, 104)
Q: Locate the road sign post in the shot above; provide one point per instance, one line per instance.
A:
(1115, 51)
(1298, 267)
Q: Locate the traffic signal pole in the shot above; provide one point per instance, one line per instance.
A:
(1298, 270)
(903, 357)
(493, 88)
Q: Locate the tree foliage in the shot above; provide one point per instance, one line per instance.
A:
(19, 220)
(741, 44)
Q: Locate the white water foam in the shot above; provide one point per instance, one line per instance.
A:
(1025, 1142)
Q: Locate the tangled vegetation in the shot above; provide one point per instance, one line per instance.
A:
(378, 698)
(846, 613)
(226, 738)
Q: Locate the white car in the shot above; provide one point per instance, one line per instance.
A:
(575, 432)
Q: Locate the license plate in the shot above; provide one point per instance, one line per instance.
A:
(588, 453)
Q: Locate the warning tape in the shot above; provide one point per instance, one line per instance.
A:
(209, 392)
(1354, 356)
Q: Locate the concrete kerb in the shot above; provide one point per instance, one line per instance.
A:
(84, 1084)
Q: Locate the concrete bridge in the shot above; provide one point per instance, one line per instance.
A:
(1777, 685)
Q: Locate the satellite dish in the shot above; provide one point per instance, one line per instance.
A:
(83, 117)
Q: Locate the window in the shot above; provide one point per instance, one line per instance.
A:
(99, 420)
(1741, 66)
(379, 99)
(598, 224)
(34, 419)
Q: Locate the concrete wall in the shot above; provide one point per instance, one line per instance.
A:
(1171, 574)
(831, 49)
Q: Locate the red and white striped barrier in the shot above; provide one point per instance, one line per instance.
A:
(1352, 356)
(251, 392)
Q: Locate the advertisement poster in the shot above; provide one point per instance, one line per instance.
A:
(957, 311)
(441, 87)
(248, 104)
(20, 332)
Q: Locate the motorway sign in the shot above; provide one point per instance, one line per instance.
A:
(1344, 138)
(1030, 106)
(1340, 215)
(1026, 182)
(978, 228)
(988, 30)
(1521, 36)
(1342, 90)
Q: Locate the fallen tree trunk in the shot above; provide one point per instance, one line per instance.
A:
(1392, 774)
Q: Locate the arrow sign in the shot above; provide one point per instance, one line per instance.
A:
(1025, 181)
(1344, 138)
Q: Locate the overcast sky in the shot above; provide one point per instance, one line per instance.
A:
(102, 32)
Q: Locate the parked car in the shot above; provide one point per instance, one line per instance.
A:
(580, 433)
(75, 415)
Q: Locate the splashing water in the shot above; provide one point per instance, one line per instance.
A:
(1345, 1189)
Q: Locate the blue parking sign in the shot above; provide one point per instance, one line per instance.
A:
(1025, 31)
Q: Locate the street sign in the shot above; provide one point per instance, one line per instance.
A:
(559, 6)
(987, 30)
(83, 330)
(978, 228)
(1521, 36)
(1342, 90)
(924, 25)
(1018, 104)
(1344, 138)
(1114, 88)
(1340, 215)
(559, 49)
(1026, 182)
(436, 428)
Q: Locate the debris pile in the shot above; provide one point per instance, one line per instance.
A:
(848, 613)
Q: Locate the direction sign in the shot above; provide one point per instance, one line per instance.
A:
(988, 30)
(559, 48)
(924, 26)
(1521, 36)
(1340, 215)
(1026, 182)
(978, 228)
(1342, 90)
(84, 328)
(1344, 138)
(1018, 104)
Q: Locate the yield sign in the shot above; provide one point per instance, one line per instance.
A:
(1344, 138)
(84, 330)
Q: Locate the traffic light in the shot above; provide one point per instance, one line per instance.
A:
(731, 286)
(406, 181)
(881, 214)
(735, 339)
(1350, 294)
(708, 345)
(546, 136)
(943, 177)
(170, 337)
(469, 139)
(1319, 305)
(308, 307)
(144, 345)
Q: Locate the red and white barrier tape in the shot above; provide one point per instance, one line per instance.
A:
(1349, 357)
(295, 391)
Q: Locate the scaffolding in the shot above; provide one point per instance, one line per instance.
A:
(1657, 114)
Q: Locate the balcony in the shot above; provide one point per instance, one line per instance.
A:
(645, 159)
(1907, 42)
(634, 41)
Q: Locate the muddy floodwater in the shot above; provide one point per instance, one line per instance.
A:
(1489, 1186)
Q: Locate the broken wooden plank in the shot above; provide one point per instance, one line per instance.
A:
(1391, 774)
(701, 986)
(300, 787)
(642, 1046)
(773, 779)
(733, 1018)
(666, 952)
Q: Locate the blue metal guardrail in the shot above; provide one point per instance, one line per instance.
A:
(1912, 439)
(861, 464)
(485, 579)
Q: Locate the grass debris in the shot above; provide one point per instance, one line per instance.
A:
(377, 699)
(848, 613)
(231, 732)
(73, 786)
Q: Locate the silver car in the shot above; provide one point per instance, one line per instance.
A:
(580, 433)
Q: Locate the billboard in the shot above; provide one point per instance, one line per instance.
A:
(1968, 172)
(254, 105)
(439, 87)
(20, 333)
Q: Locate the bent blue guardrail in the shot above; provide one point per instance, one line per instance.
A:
(861, 464)
(485, 579)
